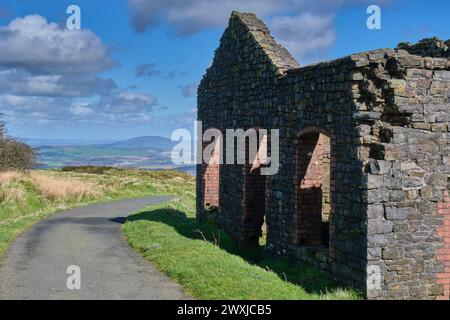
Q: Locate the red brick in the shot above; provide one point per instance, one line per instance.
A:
(443, 255)
(211, 180)
(312, 148)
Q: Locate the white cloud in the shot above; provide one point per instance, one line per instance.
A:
(38, 46)
(190, 16)
(21, 82)
(128, 102)
(46, 68)
(118, 108)
(306, 34)
(40, 58)
(81, 109)
(305, 27)
(50, 75)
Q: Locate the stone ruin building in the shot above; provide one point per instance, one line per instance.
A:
(362, 187)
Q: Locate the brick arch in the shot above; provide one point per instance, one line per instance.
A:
(313, 183)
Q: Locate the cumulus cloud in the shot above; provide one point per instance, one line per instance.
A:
(26, 108)
(304, 34)
(122, 106)
(189, 16)
(51, 75)
(305, 27)
(40, 58)
(81, 109)
(128, 102)
(39, 46)
(22, 82)
(45, 71)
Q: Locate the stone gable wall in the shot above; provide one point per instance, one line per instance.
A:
(238, 92)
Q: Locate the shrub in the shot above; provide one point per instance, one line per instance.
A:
(2, 128)
(14, 154)
(87, 169)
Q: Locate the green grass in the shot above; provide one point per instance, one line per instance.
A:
(17, 216)
(210, 266)
(200, 257)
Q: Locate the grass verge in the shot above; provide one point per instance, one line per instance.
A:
(210, 266)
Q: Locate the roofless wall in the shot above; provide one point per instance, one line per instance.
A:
(362, 189)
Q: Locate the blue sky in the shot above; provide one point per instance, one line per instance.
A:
(94, 90)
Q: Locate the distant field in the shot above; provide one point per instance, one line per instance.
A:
(60, 156)
(144, 152)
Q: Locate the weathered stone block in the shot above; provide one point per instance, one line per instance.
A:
(393, 213)
(379, 226)
(375, 211)
(380, 167)
(438, 180)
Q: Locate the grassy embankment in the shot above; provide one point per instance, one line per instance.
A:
(200, 257)
(210, 266)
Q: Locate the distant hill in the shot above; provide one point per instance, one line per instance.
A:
(145, 142)
(147, 152)
(64, 142)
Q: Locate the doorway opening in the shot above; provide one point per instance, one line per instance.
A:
(255, 196)
(211, 178)
(313, 190)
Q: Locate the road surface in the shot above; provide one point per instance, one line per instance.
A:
(90, 238)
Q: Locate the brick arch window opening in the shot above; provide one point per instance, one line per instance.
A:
(211, 176)
(313, 189)
(255, 194)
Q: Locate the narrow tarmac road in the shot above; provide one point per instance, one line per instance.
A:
(89, 237)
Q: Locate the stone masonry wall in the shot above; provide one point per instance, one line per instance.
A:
(319, 98)
(432, 47)
(237, 92)
(386, 116)
(403, 103)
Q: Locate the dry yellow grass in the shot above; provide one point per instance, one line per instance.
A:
(54, 189)
(12, 193)
(10, 176)
(49, 187)
(10, 189)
